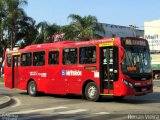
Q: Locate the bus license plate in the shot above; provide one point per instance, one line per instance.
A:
(144, 89)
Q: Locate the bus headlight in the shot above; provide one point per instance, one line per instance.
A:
(130, 85)
(127, 83)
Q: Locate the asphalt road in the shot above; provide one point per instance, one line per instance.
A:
(73, 107)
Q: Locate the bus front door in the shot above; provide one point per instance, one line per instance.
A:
(108, 68)
(15, 71)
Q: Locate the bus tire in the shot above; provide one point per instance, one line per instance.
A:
(92, 92)
(32, 88)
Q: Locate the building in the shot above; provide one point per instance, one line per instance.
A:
(152, 34)
(120, 31)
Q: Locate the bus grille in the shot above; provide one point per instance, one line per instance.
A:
(143, 89)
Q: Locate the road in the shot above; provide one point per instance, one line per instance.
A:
(73, 107)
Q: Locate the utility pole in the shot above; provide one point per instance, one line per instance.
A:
(133, 28)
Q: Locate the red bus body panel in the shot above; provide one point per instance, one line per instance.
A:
(64, 79)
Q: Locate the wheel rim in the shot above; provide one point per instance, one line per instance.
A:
(32, 89)
(92, 92)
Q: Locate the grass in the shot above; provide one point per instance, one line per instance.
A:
(1, 79)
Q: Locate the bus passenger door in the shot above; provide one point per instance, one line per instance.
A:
(108, 68)
(15, 71)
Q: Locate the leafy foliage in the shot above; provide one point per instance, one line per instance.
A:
(18, 28)
(82, 28)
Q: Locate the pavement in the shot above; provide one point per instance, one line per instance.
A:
(4, 100)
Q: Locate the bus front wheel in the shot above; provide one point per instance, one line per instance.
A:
(92, 92)
(32, 88)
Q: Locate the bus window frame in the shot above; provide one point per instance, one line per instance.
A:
(77, 50)
(95, 54)
(58, 57)
(30, 59)
(34, 59)
(10, 60)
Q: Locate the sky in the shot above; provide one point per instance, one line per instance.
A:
(118, 12)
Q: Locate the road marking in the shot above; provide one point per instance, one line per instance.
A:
(38, 110)
(68, 112)
(85, 116)
(18, 102)
(71, 111)
(102, 113)
(52, 114)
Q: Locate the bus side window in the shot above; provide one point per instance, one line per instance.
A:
(9, 60)
(26, 59)
(88, 55)
(70, 56)
(39, 58)
(53, 58)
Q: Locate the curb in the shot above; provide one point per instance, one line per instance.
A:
(1, 83)
(5, 101)
(156, 80)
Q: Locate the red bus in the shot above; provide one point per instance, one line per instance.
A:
(111, 66)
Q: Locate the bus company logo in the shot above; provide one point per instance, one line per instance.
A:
(63, 72)
(35, 73)
(71, 73)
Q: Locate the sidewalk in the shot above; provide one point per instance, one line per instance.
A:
(1, 83)
(156, 80)
(5, 101)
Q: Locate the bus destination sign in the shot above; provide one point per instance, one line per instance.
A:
(135, 42)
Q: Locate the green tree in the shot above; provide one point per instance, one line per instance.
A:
(70, 33)
(83, 28)
(2, 15)
(52, 30)
(42, 36)
(26, 30)
(46, 32)
(2, 18)
(14, 13)
(14, 24)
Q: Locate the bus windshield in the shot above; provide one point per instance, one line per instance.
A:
(136, 60)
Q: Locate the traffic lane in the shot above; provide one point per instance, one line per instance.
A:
(20, 93)
(15, 92)
(107, 109)
(130, 104)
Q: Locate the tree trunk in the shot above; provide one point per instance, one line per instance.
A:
(3, 57)
(12, 40)
(1, 31)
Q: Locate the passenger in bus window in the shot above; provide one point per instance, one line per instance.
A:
(35, 62)
(53, 57)
(66, 59)
(41, 60)
(82, 56)
(73, 57)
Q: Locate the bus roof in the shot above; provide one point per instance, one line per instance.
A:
(68, 43)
